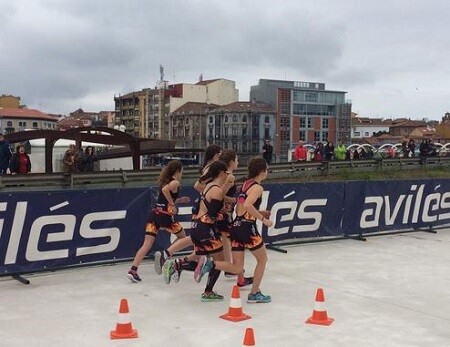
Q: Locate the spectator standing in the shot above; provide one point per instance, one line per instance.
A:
(412, 148)
(5, 155)
(267, 151)
(329, 151)
(405, 149)
(20, 162)
(339, 152)
(300, 152)
(318, 152)
(69, 160)
(87, 160)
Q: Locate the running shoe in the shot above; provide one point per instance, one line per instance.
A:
(168, 270)
(247, 281)
(160, 258)
(198, 269)
(203, 267)
(211, 297)
(133, 276)
(177, 270)
(258, 298)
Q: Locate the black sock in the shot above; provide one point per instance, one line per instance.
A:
(188, 265)
(212, 279)
(134, 268)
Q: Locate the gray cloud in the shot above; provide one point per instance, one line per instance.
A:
(59, 55)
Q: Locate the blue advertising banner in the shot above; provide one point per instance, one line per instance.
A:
(53, 229)
(48, 230)
(297, 209)
(395, 205)
(303, 210)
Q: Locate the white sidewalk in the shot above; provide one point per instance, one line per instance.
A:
(391, 290)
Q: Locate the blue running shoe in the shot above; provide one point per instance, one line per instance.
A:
(258, 298)
(168, 269)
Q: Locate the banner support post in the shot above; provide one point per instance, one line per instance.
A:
(20, 279)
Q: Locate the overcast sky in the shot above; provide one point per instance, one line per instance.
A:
(392, 57)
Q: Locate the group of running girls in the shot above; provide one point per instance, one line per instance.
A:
(219, 241)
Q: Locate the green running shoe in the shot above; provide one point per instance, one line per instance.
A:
(211, 297)
(168, 269)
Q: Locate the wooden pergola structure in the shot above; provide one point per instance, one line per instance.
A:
(134, 147)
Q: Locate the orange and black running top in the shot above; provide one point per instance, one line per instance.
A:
(243, 196)
(162, 203)
(213, 208)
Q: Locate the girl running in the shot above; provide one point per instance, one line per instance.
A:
(244, 232)
(172, 270)
(229, 157)
(162, 215)
(205, 237)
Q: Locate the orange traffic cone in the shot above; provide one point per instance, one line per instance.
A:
(235, 313)
(249, 338)
(319, 315)
(124, 329)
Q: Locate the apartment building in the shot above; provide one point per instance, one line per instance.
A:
(242, 126)
(146, 113)
(305, 111)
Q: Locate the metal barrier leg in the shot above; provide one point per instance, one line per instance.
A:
(430, 230)
(358, 237)
(275, 248)
(20, 279)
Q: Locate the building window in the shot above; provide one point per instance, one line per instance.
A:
(317, 137)
(266, 119)
(211, 119)
(244, 132)
(366, 133)
(244, 119)
(35, 124)
(302, 122)
(9, 124)
(311, 97)
(234, 118)
(357, 133)
(324, 135)
(226, 119)
(324, 123)
(302, 135)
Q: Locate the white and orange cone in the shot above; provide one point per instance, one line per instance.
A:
(320, 315)
(235, 312)
(124, 328)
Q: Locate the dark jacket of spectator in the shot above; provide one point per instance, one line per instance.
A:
(329, 151)
(20, 162)
(5, 155)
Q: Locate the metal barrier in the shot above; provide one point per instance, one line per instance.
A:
(278, 171)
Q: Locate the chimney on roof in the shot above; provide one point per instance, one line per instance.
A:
(200, 78)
